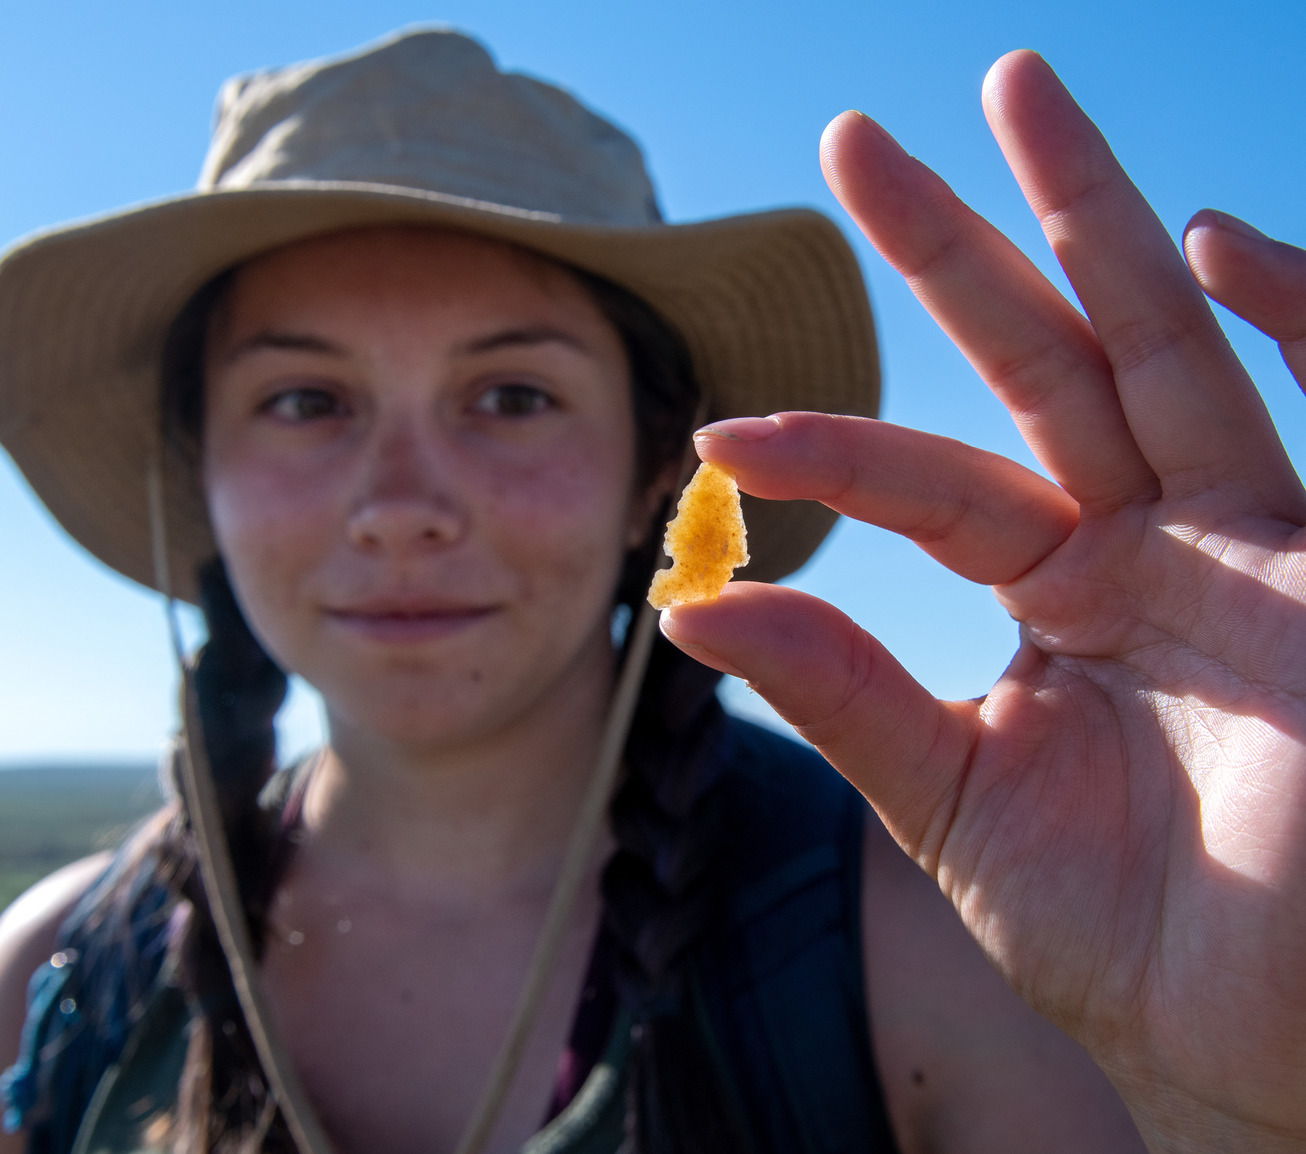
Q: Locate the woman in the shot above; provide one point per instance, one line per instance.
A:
(426, 425)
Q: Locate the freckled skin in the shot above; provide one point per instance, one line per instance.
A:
(706, 541)
(408, 483)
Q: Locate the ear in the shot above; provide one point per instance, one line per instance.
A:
(646, 505)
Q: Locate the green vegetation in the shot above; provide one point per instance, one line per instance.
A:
(53, 814)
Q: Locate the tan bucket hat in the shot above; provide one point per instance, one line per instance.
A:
(420, 128)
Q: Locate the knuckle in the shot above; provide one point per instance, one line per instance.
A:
(1137, 344)
(1027, 381)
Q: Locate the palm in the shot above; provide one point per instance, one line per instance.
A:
(1137, 784)
(1121, 822)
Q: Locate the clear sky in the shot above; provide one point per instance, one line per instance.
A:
(108, 104)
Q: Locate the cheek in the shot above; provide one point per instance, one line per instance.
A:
(270, 533)
(568, 521)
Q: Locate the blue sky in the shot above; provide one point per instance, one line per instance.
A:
(105, 105)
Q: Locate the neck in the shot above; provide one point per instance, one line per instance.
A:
(489, 816)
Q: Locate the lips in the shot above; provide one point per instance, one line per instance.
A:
(400, 620)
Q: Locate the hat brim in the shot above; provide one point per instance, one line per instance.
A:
(771, 305)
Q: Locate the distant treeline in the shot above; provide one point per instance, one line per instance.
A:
(51, 815)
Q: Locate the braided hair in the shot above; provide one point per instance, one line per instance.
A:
(659, 889)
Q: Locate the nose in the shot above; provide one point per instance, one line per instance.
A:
(407, 500)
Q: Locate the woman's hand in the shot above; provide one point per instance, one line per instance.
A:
(1121, 822)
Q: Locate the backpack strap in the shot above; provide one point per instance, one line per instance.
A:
(781, 984)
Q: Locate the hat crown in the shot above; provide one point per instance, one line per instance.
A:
(429, 110)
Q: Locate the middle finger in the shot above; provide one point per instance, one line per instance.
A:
(1033, 349)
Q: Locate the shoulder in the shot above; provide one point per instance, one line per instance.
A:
(964, 1062)
(29, 932)
(108, 922)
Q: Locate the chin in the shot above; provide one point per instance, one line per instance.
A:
(423, 718)
(427, 716)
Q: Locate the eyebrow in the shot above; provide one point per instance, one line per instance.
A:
(523, 337)
(289, 342)
(305, 343)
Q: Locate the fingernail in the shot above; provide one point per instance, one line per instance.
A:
(1233, 224)
(739, 429)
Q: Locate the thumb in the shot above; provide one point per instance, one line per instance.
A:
(846, 694)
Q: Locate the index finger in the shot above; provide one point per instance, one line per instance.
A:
(983, 516)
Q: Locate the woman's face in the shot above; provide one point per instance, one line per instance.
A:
(418, 456)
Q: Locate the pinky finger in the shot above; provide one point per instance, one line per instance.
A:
(1259, 279)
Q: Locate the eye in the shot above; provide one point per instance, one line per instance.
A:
(303, 403)
(514, 399)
